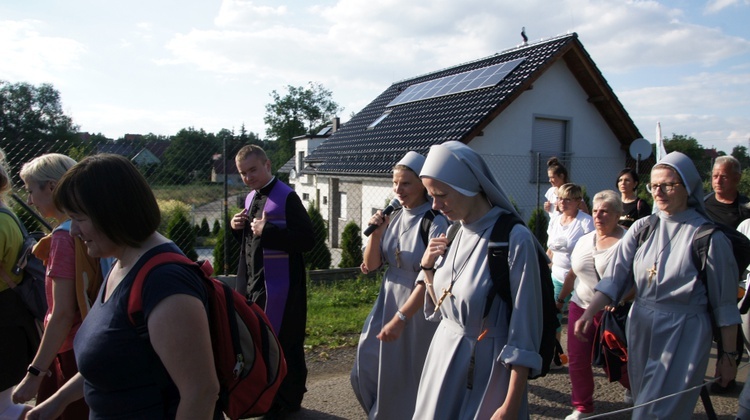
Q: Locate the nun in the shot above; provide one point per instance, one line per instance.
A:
(669, 327)
(479, 359)
(396, 335)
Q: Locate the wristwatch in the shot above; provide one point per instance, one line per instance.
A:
(558, 300)
(421, 267)
(35, 371)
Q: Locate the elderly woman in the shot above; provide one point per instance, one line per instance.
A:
(589, 260)
(633, 208)
(563, 233)
(394, 342)
(168, 374)
(501, 343)
(669, 327)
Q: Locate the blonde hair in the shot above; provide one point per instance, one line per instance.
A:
(46, 168)
(569, 190)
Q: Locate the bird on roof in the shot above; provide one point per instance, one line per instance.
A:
(523, 35)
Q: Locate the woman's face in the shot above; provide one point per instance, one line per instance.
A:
(626, 184)
(668, 202)
(454, 205)
(554, 179)
(40, 196)
(408, 188)
(97, 243)
(568, 206)
(605, 218)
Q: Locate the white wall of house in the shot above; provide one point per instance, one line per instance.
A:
(597, 156)
(376, 194)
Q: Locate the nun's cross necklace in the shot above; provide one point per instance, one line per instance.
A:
(448, 291)
(652, 272)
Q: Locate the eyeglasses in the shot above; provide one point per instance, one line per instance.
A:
(666, 187)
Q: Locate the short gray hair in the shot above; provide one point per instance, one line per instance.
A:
(610, 197)
(729, 161)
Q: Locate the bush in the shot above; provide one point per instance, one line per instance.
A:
(181, 232)
(204, 230)
(351, 246)
(233, 257)
(168, 209)
(217, 227)
(320, 256)
(538, 225)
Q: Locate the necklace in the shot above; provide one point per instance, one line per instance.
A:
(652, 272)
(454, 275)
(399, 235)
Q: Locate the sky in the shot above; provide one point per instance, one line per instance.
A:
(158, 66)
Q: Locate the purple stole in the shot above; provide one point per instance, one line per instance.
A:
(275, 263)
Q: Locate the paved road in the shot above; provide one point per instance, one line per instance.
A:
(330, 397)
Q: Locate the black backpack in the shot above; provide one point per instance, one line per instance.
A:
(31, 287)
(497, 255)
(701, 241)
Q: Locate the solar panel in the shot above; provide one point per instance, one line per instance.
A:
(457, 83)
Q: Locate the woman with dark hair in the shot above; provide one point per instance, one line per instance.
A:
(669, 327)
(168, 374)
(633, 208)
(396, 335)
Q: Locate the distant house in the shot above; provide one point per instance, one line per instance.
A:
(117, 149)
(220, 166)
(516, 108)
(301, 177)
(145, 158)
(149, 155)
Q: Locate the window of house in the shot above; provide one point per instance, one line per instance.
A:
(344, 205)
(325, 199)
(305, 197)
(379, 119)
(548, 138)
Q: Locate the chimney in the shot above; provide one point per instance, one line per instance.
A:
(335, 122)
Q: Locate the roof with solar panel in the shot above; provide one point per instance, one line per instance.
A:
(454, 104)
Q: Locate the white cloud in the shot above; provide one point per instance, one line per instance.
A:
(28, 55)
(243, 13)
(715, 6)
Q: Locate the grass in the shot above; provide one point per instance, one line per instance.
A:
(193, 194)
(336, 311)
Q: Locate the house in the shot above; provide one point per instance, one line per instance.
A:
(516, 108)
(302, 177)
(222, 166)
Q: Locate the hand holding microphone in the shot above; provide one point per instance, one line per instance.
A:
(394, 205)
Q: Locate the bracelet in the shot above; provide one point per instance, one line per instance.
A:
(558, 300)
(401, 315)
(423, 268)
(734, 354)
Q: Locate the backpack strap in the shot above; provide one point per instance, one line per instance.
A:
(497, 256)
(424, 227)
(135, 299)
(647, 229)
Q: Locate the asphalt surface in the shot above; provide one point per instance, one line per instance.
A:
(330, 396)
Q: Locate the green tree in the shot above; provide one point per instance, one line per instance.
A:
(204, 229)
(32, 122)
(740, 153)
(181, 232)
(188, 157)
(233, 256)
(302, 110)
(351, 246)
(538, 225)
(216, 227)
(320, 256)
(690, 147)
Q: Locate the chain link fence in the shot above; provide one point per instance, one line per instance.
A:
(196, 201)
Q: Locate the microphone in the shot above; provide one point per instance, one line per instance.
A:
(394, 205)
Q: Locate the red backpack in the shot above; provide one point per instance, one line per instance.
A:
(249, 361)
